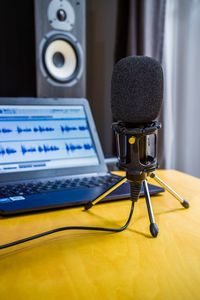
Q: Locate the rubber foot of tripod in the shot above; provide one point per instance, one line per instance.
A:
(185, 204)
(88, 205)
(154, 229)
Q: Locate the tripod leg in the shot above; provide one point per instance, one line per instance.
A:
(92, 203)
(183, 202)
(153, 226)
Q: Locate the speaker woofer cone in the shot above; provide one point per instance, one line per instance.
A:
(61, 59)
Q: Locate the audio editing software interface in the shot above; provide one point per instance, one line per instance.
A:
(41, 138)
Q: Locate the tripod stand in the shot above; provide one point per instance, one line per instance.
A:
(153, 226)
(139, 164)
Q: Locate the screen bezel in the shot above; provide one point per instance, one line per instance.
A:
(33, 174)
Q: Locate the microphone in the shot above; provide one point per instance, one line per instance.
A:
(136, 99)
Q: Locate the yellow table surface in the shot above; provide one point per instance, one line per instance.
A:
(98, 265)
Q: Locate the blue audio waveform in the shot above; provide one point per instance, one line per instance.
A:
(27, 150)
(20, 130)
(65, 128)
(5, 130)
(25, 130)
(35, 129)
(73, 148)
(87, 146)
(46, 148)
(42, 129)
(83, 128)
(43, 148)
(7, 151)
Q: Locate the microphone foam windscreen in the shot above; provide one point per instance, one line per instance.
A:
(136, 90)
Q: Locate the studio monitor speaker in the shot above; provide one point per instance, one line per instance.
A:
(60, 48)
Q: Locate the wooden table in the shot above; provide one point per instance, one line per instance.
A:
(98, 265)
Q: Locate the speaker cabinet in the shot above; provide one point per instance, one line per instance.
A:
(60, 48)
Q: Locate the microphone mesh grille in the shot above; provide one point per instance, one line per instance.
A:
(136, 89)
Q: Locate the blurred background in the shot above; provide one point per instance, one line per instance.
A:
(102, 32)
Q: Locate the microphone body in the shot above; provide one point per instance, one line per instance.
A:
(136, 99)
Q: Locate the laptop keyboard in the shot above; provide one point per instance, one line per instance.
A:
(24, 189)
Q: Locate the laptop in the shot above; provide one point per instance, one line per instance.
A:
(51, 157)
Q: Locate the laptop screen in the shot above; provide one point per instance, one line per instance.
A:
(44, 137)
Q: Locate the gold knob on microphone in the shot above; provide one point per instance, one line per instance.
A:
(132, 140)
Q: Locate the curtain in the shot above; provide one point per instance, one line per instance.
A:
(101, 30)
(140, 31)
(182, 88)
(140, 28)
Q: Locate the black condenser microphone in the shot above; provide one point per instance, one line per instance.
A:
(136, 99)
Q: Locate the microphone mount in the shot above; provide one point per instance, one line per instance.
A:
(133, 144)
(137, 156)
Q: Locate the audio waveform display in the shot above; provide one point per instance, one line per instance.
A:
(43, 148)
(73, 148)
(83, 128)
(20, 130)
(34, 129)
(5, 130)
(73, 128)
(41, 129)
(4, 151)
(45, 138)
(67, 128)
